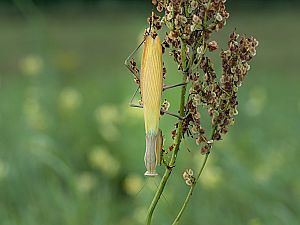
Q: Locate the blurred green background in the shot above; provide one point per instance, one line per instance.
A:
(71, 150)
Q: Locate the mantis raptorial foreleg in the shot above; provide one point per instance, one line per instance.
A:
(128, 64)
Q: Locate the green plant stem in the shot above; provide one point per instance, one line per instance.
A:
(188, 197)
(157, 195)
(177, 142)
(190, 193)
(171, 164)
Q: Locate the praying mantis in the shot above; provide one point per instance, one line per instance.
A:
(150, 82)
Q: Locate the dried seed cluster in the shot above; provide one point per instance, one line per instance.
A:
(165, 105)
(188, 177)
(190, 27)
(220, 96)
(190, 22)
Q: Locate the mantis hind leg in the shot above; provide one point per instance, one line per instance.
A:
(159, 147)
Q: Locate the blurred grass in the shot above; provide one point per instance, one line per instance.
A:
(71, 151)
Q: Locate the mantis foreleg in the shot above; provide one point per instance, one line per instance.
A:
(128, 62)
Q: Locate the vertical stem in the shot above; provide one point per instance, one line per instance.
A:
(188, 197)
(172, 161)
(176, 142)
(157, 195)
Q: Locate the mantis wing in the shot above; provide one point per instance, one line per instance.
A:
(151, 90)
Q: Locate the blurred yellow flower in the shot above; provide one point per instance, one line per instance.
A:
(102, 159)
(256, 101)
(31, 65)
(108, 117)
(86, 181)
(211, 177)
(265, 170)
(107, 114)
(34, 114)
(109, 131)
(69, 98)
(133, 184)
(255, 221)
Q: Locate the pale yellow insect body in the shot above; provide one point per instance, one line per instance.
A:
(151, 91)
